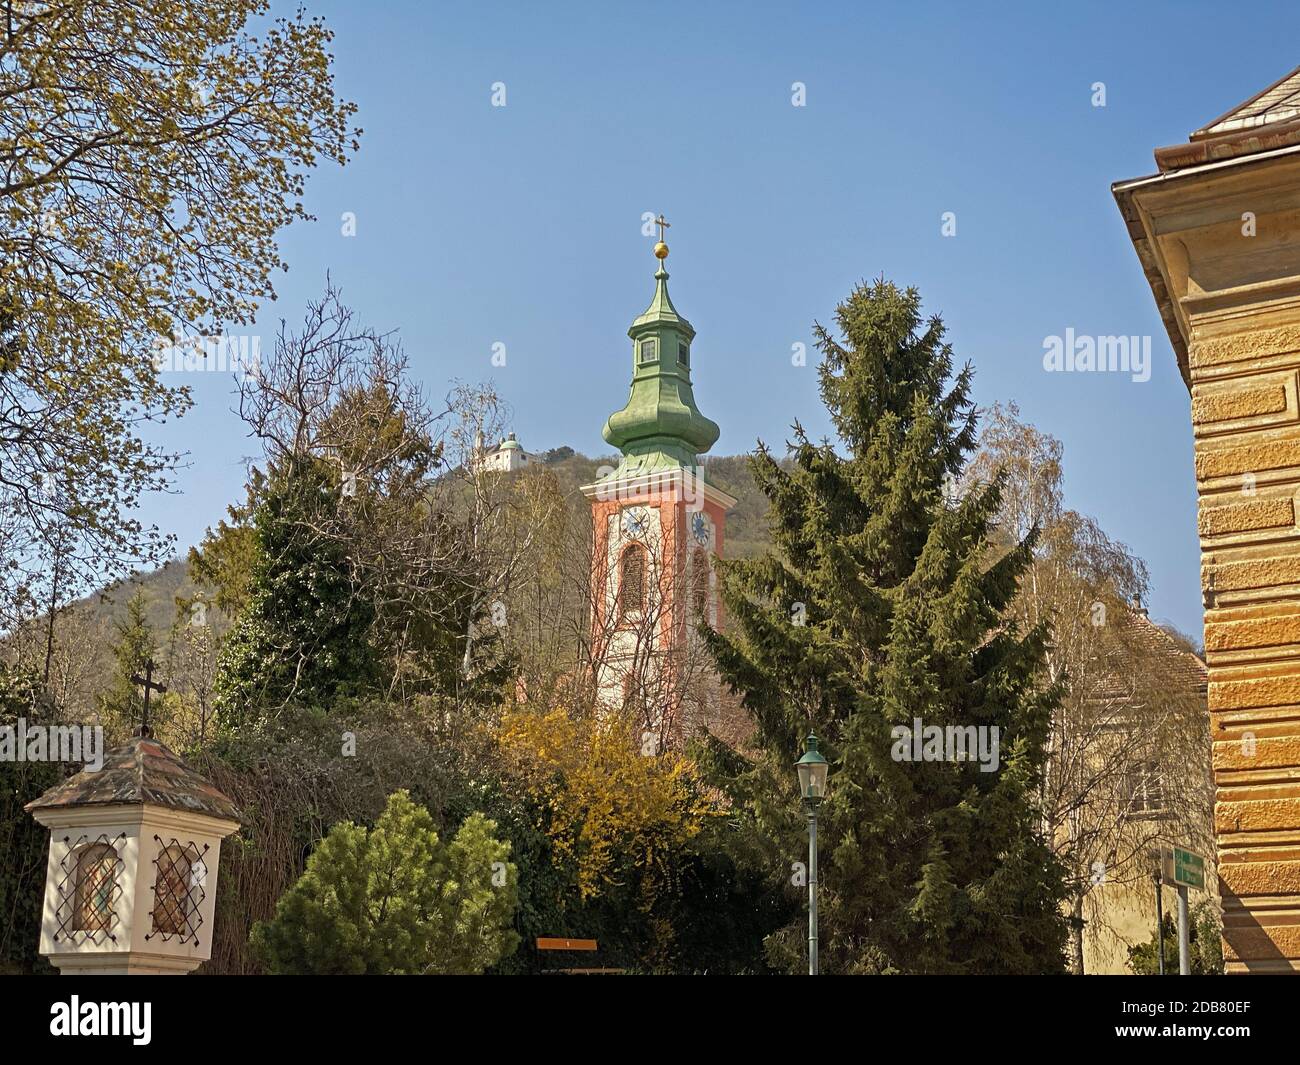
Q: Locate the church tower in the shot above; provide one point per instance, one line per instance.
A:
(657, 524)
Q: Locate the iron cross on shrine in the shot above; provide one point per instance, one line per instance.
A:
(150, 685)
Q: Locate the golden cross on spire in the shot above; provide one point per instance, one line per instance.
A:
(661, 249)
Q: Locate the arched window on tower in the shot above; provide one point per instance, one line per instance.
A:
(700, 581)
(631, 580)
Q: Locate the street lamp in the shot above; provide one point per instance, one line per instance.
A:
(1157, 875)
(812, 787)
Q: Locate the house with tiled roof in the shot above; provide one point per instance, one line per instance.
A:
(1154, 787)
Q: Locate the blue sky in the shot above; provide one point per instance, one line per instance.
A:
(522, 224)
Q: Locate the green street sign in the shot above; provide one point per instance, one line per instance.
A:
(1188, 869)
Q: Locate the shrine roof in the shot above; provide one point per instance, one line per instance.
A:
(141, 771)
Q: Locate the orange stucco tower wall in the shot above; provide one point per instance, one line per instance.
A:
(677, 525)
(1217, 231)
(673, 551)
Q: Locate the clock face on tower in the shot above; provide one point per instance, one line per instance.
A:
(701, 528)
(635, 522)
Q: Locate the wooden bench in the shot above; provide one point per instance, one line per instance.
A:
(585, 945)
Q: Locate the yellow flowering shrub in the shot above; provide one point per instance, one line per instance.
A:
(605, 799)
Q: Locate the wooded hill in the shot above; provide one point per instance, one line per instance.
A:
(746, 536)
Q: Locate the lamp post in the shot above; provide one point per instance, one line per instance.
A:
(1157, 875)
(812, 787)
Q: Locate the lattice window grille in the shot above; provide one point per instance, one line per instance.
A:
(89, 889)
(179, 888)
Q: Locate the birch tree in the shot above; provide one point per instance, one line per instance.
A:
(1126, 752)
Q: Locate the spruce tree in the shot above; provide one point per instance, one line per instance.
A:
(884, 601)
(121, 705)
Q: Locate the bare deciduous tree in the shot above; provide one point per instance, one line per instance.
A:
(1127, 756)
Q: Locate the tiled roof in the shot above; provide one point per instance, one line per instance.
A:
(1280, 102)
(1268, 121)
(1159, 653)
(140, 771)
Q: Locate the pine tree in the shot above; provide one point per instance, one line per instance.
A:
(396, 900)
(884, 601)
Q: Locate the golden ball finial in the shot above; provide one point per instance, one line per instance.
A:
(661, 250)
